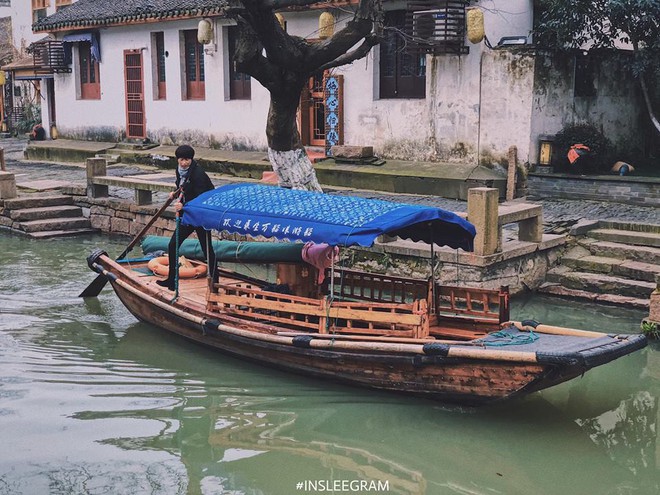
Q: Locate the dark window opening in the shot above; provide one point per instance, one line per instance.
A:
(239, 83)
(585, 75)
(402, 73)
(159, 41)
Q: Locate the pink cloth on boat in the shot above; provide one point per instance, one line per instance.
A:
(320, 256)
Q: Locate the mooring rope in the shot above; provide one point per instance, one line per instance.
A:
(503, 338)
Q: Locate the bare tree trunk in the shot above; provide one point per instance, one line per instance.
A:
(294, 169)
(286, 153)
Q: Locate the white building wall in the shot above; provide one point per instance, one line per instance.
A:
(21, 14)
(477, 105)
(213, 121)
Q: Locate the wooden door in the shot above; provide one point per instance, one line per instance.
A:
(135, 118)
(194, 57)
(312, 112)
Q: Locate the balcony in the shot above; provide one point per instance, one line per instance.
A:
(49, 57)
(436, 26)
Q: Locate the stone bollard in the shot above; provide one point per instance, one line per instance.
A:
(3, 166)
(482, 213)
(511, 173)
(96, 167)
(7, 185)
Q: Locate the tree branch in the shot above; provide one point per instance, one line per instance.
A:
(649, 105)
(283, 4)
(341, 42)
(350, 57)
(248, 57)
(281, 48)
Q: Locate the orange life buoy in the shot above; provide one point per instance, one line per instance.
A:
(161, 266)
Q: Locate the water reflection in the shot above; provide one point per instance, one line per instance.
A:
(93, 402)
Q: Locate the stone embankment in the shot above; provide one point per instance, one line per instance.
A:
(45, 216)
(591, 263)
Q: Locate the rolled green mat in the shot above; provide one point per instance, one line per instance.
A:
(247, 252)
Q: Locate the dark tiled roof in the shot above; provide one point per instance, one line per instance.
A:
(97, 13)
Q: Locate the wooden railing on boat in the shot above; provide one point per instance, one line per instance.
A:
(364, 303)
(320, 315)
(364, 286)
(466, 312)
(475, 303)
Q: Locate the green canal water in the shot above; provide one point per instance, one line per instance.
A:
(94, 402)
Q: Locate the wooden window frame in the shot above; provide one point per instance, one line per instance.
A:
(397, 66)
(39, 9)
(160, 86)
(240, 84)
(193, 66)
(59, 4)
(89, 74)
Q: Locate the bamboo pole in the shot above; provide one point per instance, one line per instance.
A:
(553, 330)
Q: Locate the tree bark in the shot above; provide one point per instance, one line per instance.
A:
(649, 105)
(286, 152)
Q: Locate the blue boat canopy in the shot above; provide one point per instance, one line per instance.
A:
(285, 214)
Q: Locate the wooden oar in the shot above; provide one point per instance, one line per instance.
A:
(95, 288)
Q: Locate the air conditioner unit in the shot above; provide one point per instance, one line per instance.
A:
(429, 25)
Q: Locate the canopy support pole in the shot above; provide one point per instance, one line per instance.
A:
(332, 274)
(432, 273)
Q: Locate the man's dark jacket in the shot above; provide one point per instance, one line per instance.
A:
(195, 183)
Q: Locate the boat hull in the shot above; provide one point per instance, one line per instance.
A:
(468, 373)
(455, 380)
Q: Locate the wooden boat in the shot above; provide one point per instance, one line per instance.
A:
(398, 334)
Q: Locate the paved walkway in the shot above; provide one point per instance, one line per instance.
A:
(558, 214)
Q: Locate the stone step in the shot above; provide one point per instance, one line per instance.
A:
(55, 224)
(600, 283)
(38, 201)
(64, 211)
(590, 263)
(558, 290)
(609, 249)
(636, 226)
(627, 237)
(636, 270)
(47, 234)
